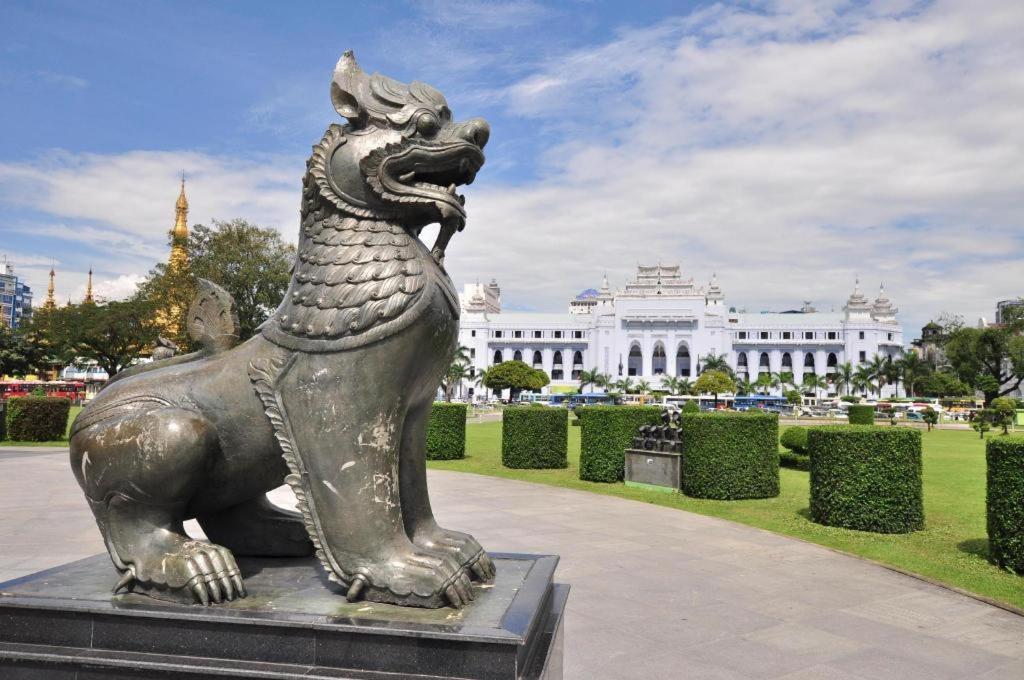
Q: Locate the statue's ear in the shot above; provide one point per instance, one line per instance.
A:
(346, 84)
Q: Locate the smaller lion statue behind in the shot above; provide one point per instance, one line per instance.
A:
(332, 396)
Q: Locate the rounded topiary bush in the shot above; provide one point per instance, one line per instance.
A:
(728, 456)
(446, 431)
(691, 406)
(37, 419)
(606, 432)
(861, 414)
(535, 438)
(866, 478)
(1005, 502)
(794, 438)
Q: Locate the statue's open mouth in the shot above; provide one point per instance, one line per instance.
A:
(433, 172)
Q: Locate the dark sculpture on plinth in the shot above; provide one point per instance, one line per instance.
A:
(332, 396)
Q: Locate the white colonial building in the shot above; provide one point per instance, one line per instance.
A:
(660, 324)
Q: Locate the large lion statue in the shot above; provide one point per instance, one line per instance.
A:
(331, 397)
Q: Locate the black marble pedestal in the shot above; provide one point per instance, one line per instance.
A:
(64, 623)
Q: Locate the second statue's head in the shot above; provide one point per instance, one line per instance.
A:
(401, 156)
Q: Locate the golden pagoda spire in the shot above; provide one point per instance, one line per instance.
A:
(50, 302)
(88, 290)
(179, 235)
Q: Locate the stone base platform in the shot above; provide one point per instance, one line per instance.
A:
(64, 623)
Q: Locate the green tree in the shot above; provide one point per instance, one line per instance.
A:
(879, 372)
(18, 356)
(458, 371)
(514, 376)
(794, 398)
(744, 386)
(941, 384)
(813, 382)
(714, 382)
(250, 262)
(843, 377)
(989, 359)
(787, 380)
(766, 381)
(982, 422)
(930, 417)
(591, 377)
(624, 385)
(913, 368)
(112, 334)
(863, 379)
(1003, 409)
(717, 363)
(643, 387)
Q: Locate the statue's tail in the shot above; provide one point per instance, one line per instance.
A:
(212, 324)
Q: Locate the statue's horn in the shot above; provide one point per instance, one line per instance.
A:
(346, 86)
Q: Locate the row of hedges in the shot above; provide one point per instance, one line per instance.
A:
(1005, 502)
(535, 438)
(446, 431)
(729, 456)
(861, 414)
(36, 419)
(606, 432)
(866, 478)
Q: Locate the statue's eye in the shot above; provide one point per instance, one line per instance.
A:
(427, 124)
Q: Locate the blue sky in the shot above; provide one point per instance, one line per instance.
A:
(788, 146)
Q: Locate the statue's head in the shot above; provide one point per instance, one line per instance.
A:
(402, 154)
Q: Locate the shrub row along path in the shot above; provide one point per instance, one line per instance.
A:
(657, 592)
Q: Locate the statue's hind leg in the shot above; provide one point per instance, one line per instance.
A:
(420, 524)
(258, 528)
(139, 472)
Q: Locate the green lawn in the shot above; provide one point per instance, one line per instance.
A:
(951, 549)
(63, 442)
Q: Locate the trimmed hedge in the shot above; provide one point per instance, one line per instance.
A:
(606, 432)
(691, 406)
(794, 438)
(866, 478)
(535, 438)
(446, 431)
(37, 419)
(1004, 501)
(729, 456)
(794, 461)
(861, 414)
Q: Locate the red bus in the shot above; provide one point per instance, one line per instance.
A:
(68, 389)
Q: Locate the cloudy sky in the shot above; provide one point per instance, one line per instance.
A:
(788, 146)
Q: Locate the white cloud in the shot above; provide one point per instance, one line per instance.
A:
(789, 149)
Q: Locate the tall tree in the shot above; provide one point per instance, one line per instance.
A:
(643, 387)
(879, 370)
(515, 376)
(990, 360)
(250, 262)
(843, 377)
(591, 377)
(18, 356)
(913, 368)
(112, 334)
(862, 379)
(718, 362)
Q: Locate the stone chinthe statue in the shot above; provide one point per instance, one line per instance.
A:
(331, 397)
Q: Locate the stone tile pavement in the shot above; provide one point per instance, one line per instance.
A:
(657, 593)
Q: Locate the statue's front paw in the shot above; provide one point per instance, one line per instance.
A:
(462, 547)
(197, 570)
(414, 577)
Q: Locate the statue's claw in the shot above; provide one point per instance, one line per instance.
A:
(356, 588)
(483, 567)
(127, 578)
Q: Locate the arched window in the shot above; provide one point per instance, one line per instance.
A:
(832, 362)
(808, 363)
(556, 367)
(518, 356)
(658, 359)
(683, 360)
(762, 364)
(636, 360)
(497, 356)
(741, 360)
(538, 362)
(577, 364)
(787, 362)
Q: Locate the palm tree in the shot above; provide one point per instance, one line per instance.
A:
(843, 377)
(481, 379)
(812, 382)
(877, 368)
(744, 386)
(685, 386)
(603, 380)
(643, 387)
(766, 381)
(862, 379)
(453, 377)
(913, 367)
(590, 377)
(787, 379)
(893, 374)
(717, 363)
(624, 385)
(671, 383)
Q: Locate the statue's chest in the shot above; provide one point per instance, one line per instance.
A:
(357, 282)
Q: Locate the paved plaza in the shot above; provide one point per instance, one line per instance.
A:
(657, 593)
